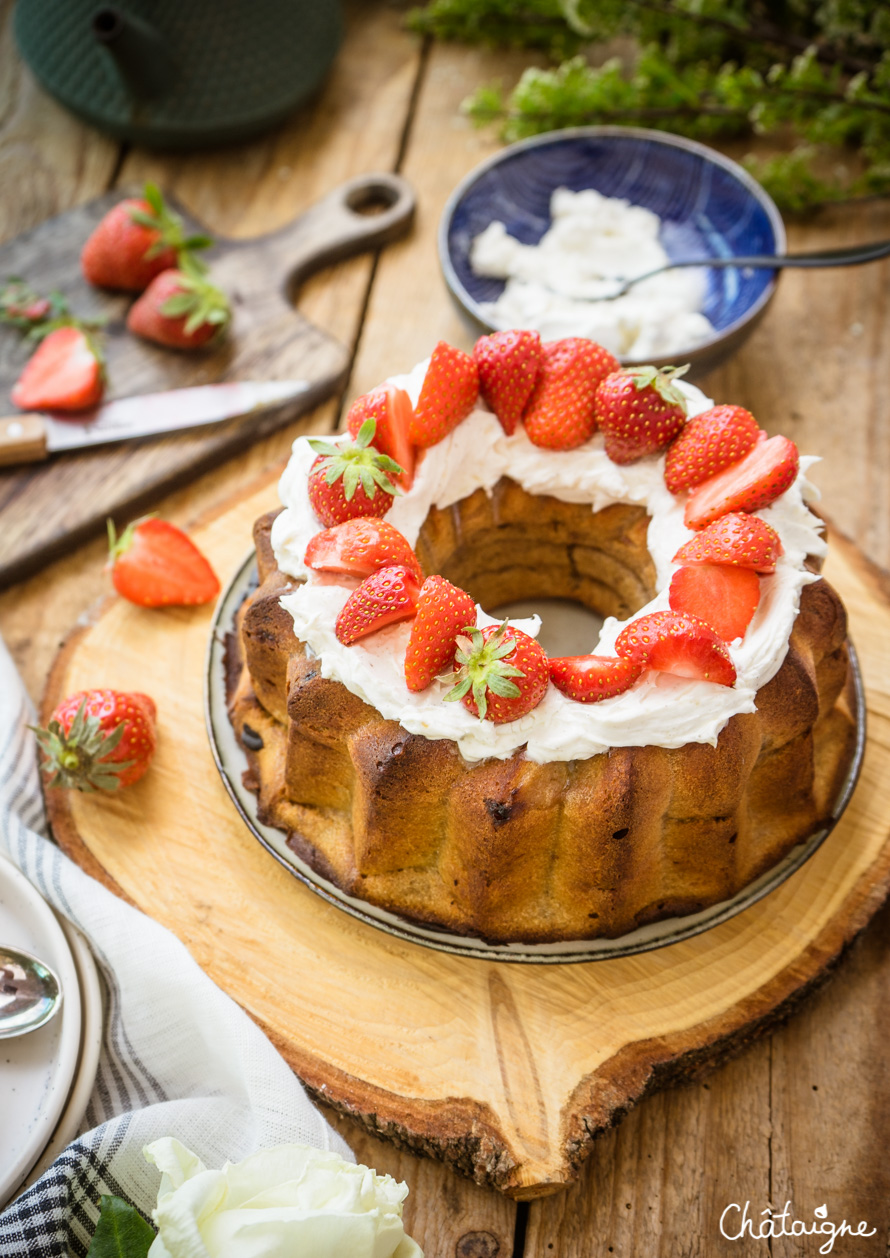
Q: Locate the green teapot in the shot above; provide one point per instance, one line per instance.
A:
(179, 73)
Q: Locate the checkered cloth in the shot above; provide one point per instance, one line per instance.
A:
(179, 1058)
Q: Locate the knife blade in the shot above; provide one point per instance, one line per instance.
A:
(30, 437)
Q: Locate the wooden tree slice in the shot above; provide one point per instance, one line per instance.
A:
(506, 1071)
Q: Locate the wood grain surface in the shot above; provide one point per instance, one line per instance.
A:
(757, 1127)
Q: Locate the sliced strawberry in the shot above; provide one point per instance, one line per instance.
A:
(509, 363)
(744, 541)
(589, 678)
(391, 410)
(560, 412)
(387, 596)
(64, 374)
(723, 597)
(502, 676)
(711, 441)
(760, 478)
(640, 410)
(443, 612)
(449, 392)
(675, 642)
(155, 564)
(361, 546)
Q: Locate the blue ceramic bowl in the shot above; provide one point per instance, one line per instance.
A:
(709, 206)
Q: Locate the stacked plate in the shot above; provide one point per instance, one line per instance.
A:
(46, 1077)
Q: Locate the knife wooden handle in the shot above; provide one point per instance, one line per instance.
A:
(22, 439)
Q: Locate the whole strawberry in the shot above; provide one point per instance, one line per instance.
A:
(155, 564)
(98, 740)
(561, 412)
(709, 442)
(381, 599)
(180, 308)
(448, 394)
(640, 410)
(391, 410)
(350, 480)
(134, 242)
(360, 547)
(443, 612)
(509, 363)
(503, 675)
(65, 373)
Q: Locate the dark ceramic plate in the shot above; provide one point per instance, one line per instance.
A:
(231, 762)
(709, 205)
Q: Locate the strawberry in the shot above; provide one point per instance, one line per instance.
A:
(386, 596)
(26, 310)
(560, 414)
(675, 642)
(640, 410)
(391, 410)
(448, 394)
(710, 442)
(508, 363)
(351, 480)
(589, 678)
(98, 740)
(180, 308)
(66, 373)
(723, 597)
(758, 479)
(743, 540)
(443, 612)
(361, 546)
(154, 564)
(134, 242)
(502, 676)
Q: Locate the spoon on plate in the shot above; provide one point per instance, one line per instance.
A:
(30, 994)
(853, 255)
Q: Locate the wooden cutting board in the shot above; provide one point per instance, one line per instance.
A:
(48, 507)
(506, 1071)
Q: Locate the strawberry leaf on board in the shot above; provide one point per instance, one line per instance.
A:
(121, 1231)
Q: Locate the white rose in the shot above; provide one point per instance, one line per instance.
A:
(278, 1203)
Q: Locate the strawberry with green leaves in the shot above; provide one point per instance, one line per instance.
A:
(181, 308)
(724, 597)
(756, 481)
(352, 479)
(382, 599)
(710, 442)
(391, 410)
(678, 643)
(98, 740)
(448, 394)
(640, 410)
(136, 241)
(444, 612)
(591, 678)
(501, 676)
(560, 414)
(360, 547)
(738, 539)
(509, 363)
(154, 564)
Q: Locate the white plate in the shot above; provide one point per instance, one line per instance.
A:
(36, 1070)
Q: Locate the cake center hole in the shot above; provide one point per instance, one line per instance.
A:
(567, 627)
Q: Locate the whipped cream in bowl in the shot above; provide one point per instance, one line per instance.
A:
(659, 709)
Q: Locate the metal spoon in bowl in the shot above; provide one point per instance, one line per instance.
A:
(854, 255)
(30, 993)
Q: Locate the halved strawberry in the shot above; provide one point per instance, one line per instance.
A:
(391, 410)
(509, 363)
(65, 373)
(763, 475)
(560, 412)
(640, 410)
(710, 442)
(589, 678)
(745, 541)
(443, 612)
(449, 392)
(361, 546)
(381, 599)
(723, 597)
(154, 564)
(675, 642)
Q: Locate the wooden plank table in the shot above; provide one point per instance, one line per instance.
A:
(803, 1115)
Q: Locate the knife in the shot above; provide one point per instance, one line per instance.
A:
(33, 436)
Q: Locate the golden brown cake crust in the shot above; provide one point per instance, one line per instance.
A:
(513, 850)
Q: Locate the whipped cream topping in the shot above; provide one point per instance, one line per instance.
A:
(659, 709)
(556, 287)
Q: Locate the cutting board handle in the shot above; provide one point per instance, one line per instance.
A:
(340, 225)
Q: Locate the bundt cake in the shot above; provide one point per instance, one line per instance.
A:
(593, 812)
